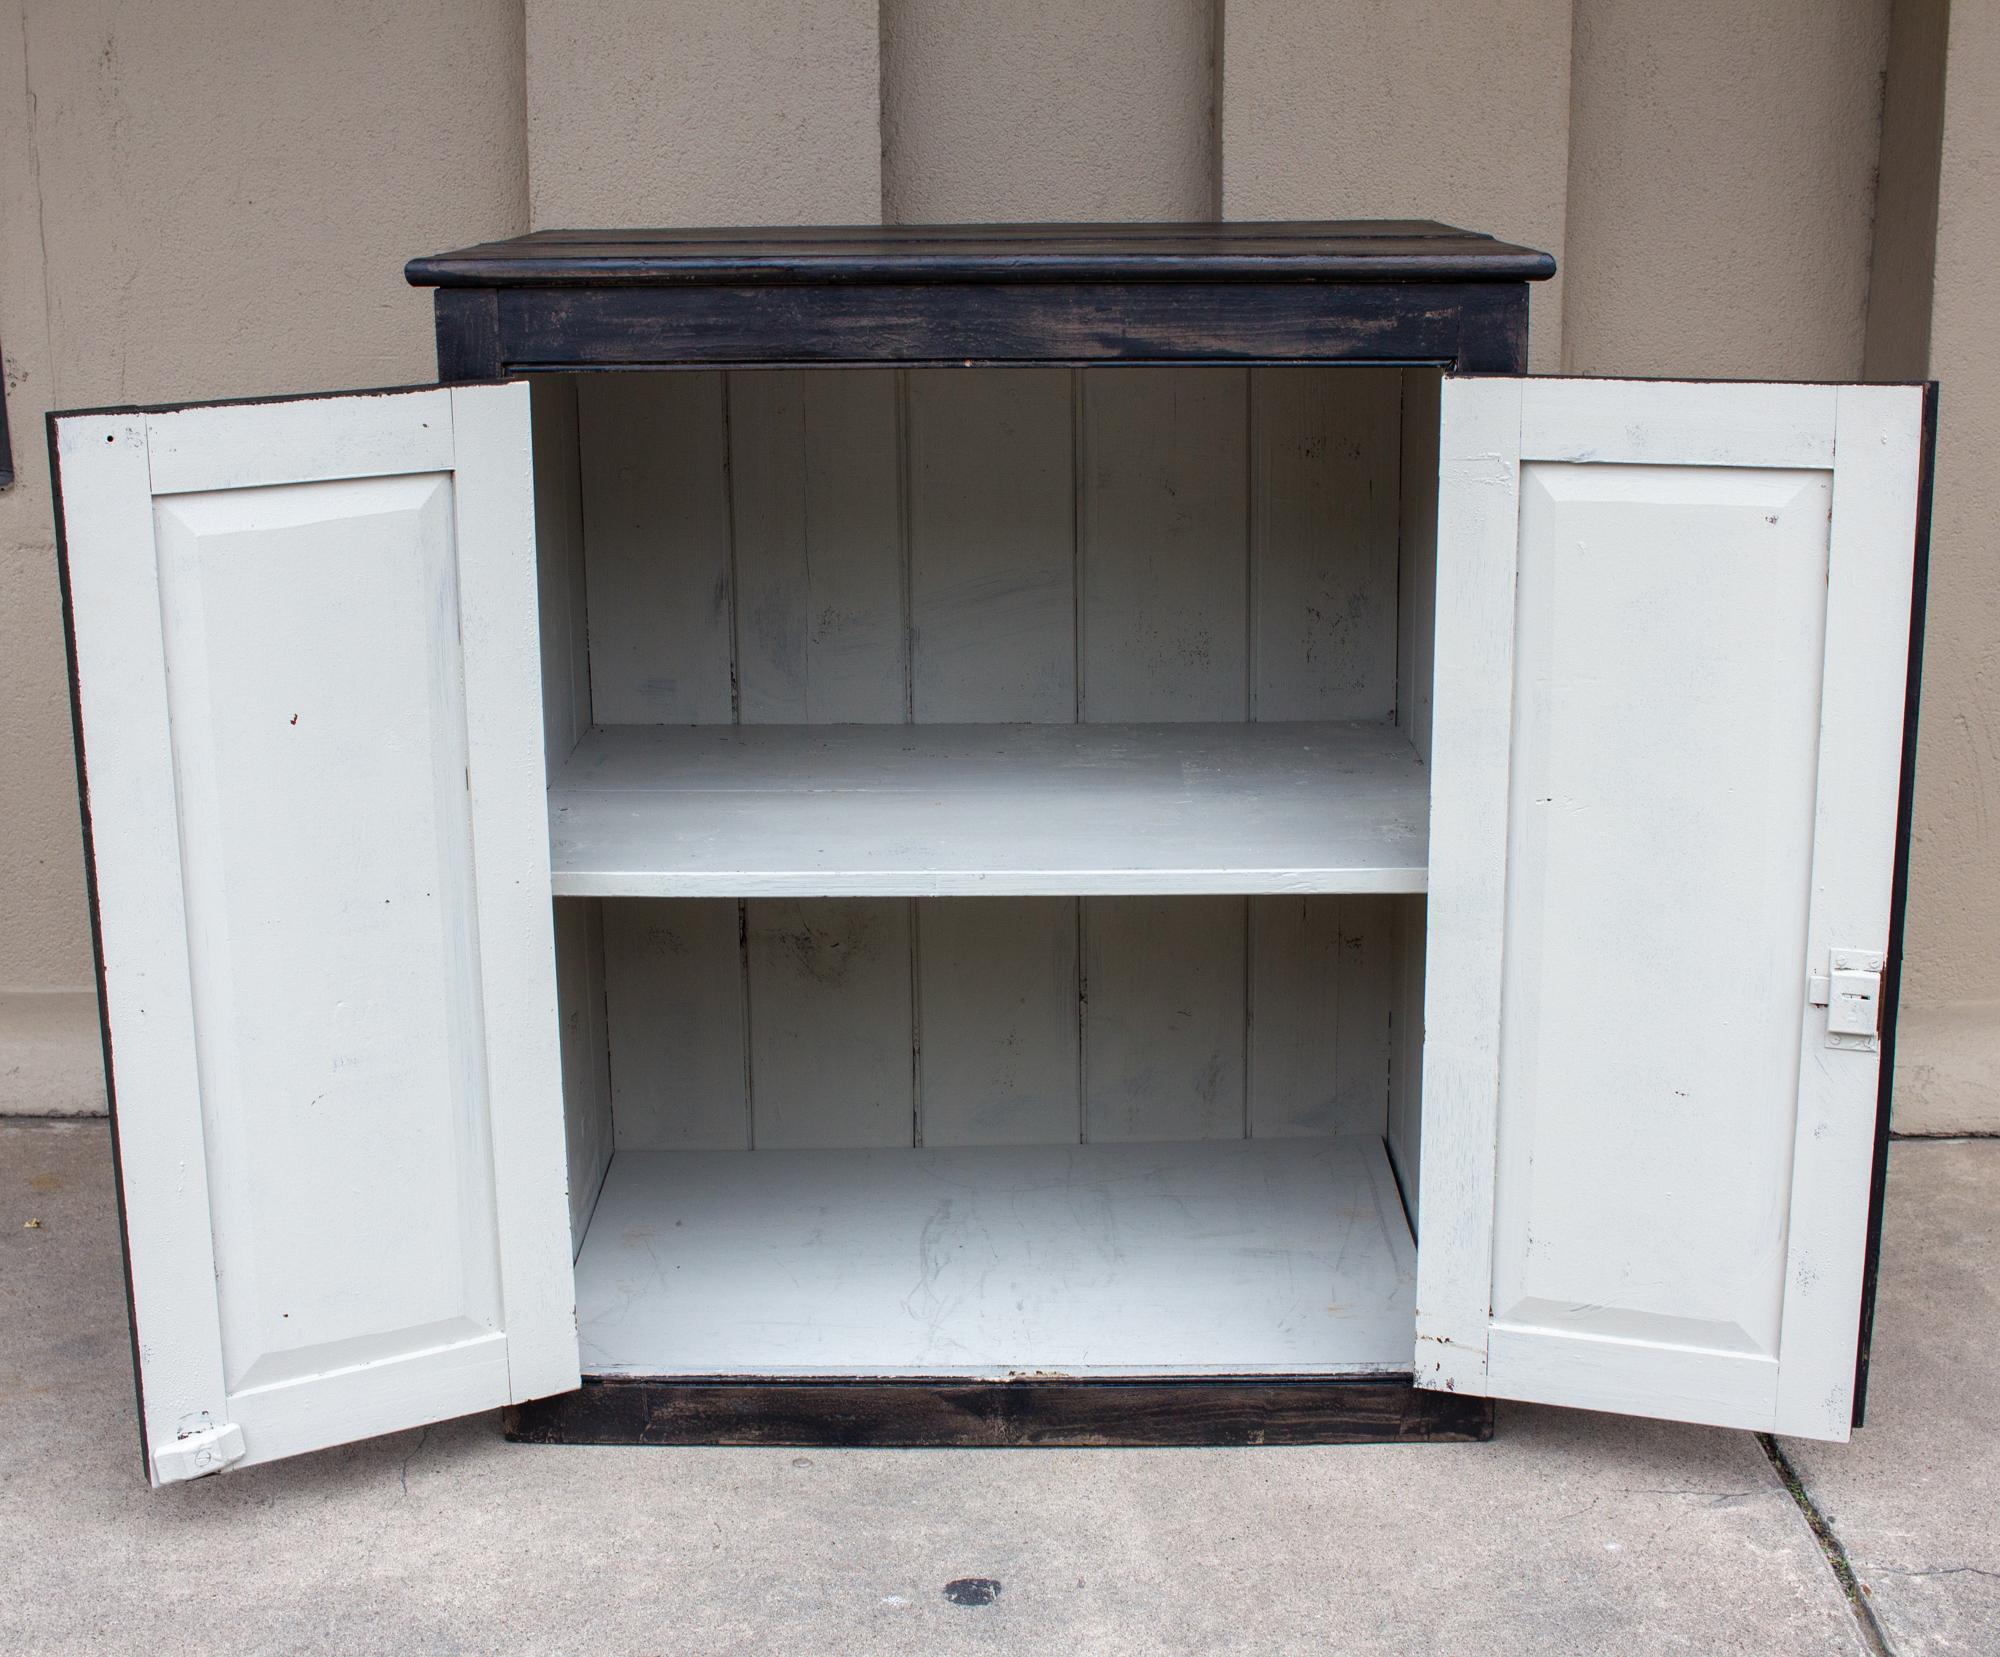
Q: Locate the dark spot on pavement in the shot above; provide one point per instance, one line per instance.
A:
(972, 1590)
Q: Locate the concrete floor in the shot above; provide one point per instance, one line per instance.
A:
(1570, 1533)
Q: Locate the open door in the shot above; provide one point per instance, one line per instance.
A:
(304, 666)
(1672, 644)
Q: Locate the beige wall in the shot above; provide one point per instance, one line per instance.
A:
(1950, 1077)
(205, 199)
(703, 112)
(1045, 109)
(1721, 186)
(212, 199)
(1403, 109)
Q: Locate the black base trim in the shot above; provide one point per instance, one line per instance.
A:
(992, 1414)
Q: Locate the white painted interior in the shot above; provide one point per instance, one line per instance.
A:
(992, 810)
(967, 760)
(1172, 668)
(1237, 1258)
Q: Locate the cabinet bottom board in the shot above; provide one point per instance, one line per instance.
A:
(1214, 1258)
(1000, 1414)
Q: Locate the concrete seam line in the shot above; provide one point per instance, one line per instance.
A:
(1873, 1635)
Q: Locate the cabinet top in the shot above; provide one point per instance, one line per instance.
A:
(1336, 250)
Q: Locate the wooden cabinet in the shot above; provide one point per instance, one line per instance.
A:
(1014, 835)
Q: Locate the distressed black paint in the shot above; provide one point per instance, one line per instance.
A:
(992, 1414)
(1331, 292)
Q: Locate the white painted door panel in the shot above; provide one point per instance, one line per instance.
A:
(1672, 640)
(305, 650)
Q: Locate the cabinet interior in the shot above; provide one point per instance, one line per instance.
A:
(988, 815)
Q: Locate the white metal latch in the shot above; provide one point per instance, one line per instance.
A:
(1852, 996)
(198, 1452)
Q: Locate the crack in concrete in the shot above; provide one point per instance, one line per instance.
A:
(1873, 1635)
(403, 1473)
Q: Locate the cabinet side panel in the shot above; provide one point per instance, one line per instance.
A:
(656, 512)
(1416, 610)
(560, 568)
(586, 1056)
(1406, 1057)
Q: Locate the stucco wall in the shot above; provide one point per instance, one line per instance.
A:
(1041, 109)
(1403, 109)
(203, 198)
(214, 198)
(1949, 1077)
(706, 112)
(1721, 186)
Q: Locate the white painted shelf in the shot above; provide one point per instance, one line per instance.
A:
(1257, 1257)
(999, 810)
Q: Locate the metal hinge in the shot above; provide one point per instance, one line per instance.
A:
(1851, 993)
(198, 1451)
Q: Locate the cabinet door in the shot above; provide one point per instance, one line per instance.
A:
(303, 651)
(1673, 626)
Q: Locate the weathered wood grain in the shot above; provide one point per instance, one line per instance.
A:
(674, 1000)
(656, 521)
(1383, 250)
(630, 1410)
(1162, 545)
(992, 547)
(831, 1056)
(1324, 455)
(997, 1029)
(814, 469)
(1476, 327)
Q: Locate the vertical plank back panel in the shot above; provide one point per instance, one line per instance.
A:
(1164, 1032)
(1163, 527)
(993, 630)
(992, 546)
(1163, 574)
(814, 493)
(1324, 499)
(1033, 545)
(1322, 988)
(674, 1003)
(656, 512)
(997, 1018)
(830, 1049)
